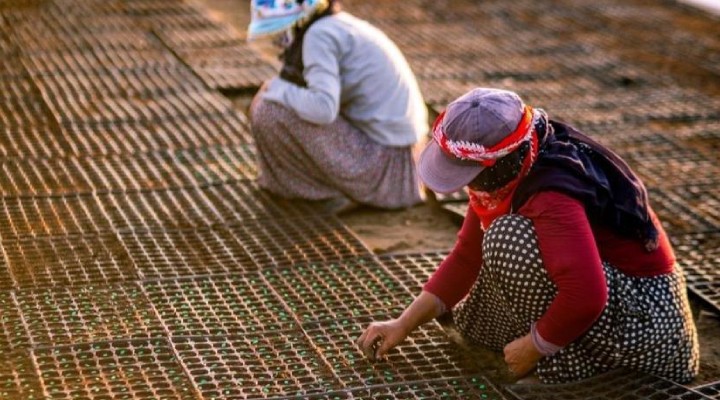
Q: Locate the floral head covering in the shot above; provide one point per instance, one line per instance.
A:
(273, 16)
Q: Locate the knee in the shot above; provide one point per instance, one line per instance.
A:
(511, 244)
(267, 116)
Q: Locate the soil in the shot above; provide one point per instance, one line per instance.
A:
(425, 228)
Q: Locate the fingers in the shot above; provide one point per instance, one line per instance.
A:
(368, 341)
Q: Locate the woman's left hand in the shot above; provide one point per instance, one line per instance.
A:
(521, 356)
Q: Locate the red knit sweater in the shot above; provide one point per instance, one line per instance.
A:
(571, 250)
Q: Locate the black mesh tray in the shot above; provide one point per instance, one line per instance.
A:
(699, 255)
(13, 334)
(676, 215)
(467, 388)
(147, 82)
(133, 369)
(56, 316)
(74, 260)
(349, 288)
(218, 305)
(97, 61)
(87, 110)
(240, 247)
(619, 384)
(254, 366)
(426, 354)
(711, 390)
(18, 377)
(143, 137)
(157, 170)
(413, 269)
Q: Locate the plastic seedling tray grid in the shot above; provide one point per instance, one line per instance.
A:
(255, 366)
(218, 305)
(618, 384)
(22, 112)
(467, 388)
(676, 167)
(426, 354)
(73, 260)
(87, 110)
(12, 329)
(145, 82)
(161, 136)
(703, 200)
(699, 256)
(156, 170)
(91, 61)
(29, 42)
(56, 316)
(216, 36)
(298, 240)
(46, 216)
(234, 77)
(44, 139)
(18, 377)
(122, 369)
(349, 288)
(676, 216)
(413, 269)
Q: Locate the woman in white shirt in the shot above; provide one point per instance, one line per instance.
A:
(339, 123)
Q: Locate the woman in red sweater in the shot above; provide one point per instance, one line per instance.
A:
(560, 263)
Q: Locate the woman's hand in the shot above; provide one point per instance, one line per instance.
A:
(380, 337)
(521, 356)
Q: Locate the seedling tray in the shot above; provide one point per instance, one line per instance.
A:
(699, 255)
(74, 260)
(349, 288)
(618, 384)
(91, 61)
(123, 369)
(413, 270)
(240, 77)
(247, 246)
(157, 170)
(18, 377)
(55, 316)
(44, 216)
(13, 334)
(216, 36)
(467, 388)
(676, 215)
(254, 366)
(426, 354)
(237, 304)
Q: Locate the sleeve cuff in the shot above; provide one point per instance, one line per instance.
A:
(543, 346)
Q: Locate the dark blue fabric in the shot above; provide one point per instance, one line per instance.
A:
(573, 164)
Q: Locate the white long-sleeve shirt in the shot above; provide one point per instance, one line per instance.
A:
(354, 69)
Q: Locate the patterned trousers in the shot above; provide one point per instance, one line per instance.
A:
(646, 325)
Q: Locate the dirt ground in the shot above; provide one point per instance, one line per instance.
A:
(425, 228)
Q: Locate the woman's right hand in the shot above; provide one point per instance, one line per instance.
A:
(380, 337)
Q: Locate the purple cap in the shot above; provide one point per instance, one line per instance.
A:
(482, 116)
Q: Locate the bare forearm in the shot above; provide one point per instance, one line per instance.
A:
(424, 308)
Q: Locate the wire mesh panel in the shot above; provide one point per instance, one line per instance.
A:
(218, 305)
(254, 366)
(468, 388)
(123, 369)
(351, 288)
(711, 390)
(426, 354)
(56, 316)
(73, 260)
(413, 270)
(157, 170)
(699, 255)
(618, 384)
